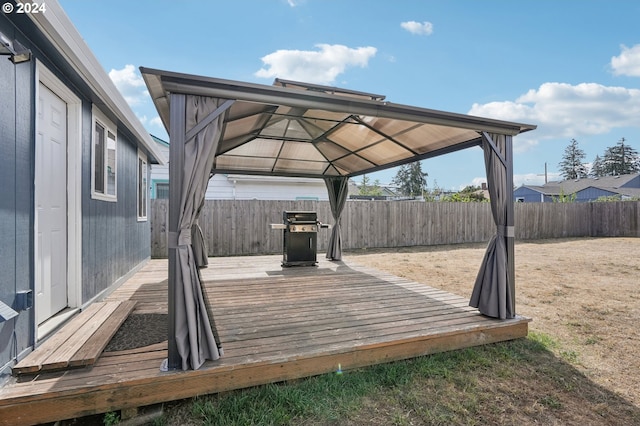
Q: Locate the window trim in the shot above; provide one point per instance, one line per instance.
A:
(139, 185)
(98, 117)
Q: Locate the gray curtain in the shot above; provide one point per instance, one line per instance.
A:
(338, 188)
(199, 243)
(492, 291)
(194, 332)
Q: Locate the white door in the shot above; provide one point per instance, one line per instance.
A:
(51, 205)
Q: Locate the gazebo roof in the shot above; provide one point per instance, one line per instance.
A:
(308, 130)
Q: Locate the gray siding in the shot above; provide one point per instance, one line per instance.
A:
(16, 177)
(592, 194)
(528, 195)
(633, 183)
(113, 241)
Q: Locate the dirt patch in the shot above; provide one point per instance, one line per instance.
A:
(139, 330)
(582, 292)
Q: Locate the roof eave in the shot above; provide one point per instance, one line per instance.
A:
(60, 31)
(164, 82)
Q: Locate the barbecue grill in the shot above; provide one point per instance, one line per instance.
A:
(300, 238)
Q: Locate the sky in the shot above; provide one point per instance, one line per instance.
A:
(570, 67)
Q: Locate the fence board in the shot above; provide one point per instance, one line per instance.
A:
(241, 227)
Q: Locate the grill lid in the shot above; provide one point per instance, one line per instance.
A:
(299, 217)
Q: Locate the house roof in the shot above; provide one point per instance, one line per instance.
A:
(159, 141)
(607, 183)
(307, 130)
(60, 31)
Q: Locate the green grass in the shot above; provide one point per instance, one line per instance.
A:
(514, 382)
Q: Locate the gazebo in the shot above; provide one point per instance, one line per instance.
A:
(306, 130)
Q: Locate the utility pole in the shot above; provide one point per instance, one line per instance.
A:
(545, 173)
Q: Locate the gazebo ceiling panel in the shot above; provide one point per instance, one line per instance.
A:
(244, 164)
(385, 151)
(258, 148)
(290, 167)
(302, 129)
(245, 109)
(332, 171)
(330, 150)
(353, 164)
(354, 136)
(301, 151)
(329, 118)
(437, 137)
(387, 126)
(242, 126)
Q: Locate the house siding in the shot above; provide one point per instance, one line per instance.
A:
(592, 194)
(16, 208)
(633, 183)
(114, 241)
(527, 195)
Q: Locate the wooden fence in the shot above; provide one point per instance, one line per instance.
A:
(234, 227)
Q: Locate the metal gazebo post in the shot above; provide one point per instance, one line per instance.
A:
(176, 166)
(510, 234)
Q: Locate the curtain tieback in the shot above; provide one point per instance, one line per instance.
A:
(506, 231)
(177, 239)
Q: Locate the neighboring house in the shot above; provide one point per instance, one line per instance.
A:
(623, 186)
(242, 187)
(387, 193)
(73, 199)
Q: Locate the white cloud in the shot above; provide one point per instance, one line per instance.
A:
(419, 28)
(534, 178)
(476, 181)
(130, 84)
(157, 122)
(562, 110)
(519, 179)
(628, 63)
(321, 67)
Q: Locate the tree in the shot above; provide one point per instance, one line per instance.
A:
(620, 159)
(410, 179)
(597, 168)
(469, 194)
(571, 166)
(368, 189)
(564, 198)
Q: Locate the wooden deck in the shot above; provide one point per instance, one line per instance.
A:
(275, 324)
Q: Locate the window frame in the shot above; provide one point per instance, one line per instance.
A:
(142, 186)
(99, 118)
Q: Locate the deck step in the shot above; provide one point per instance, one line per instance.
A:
(81, 341)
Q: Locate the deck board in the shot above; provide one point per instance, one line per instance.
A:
(275, 324)
(80, 341)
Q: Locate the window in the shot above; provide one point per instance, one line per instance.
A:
(143, 193)
(143, 190)
(104, 178)
(162, 190)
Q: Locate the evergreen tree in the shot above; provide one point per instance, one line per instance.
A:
(368, 189)
(597, 168)
(571, 166)
(410, 179)
(620, 159)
